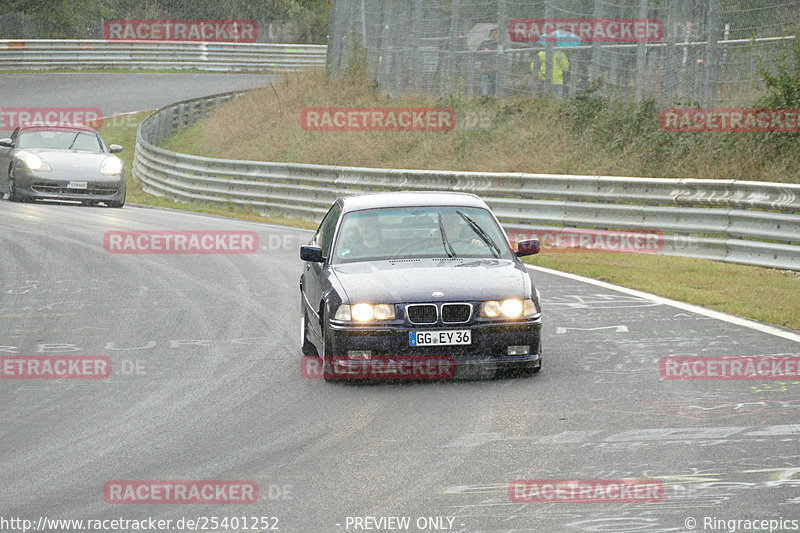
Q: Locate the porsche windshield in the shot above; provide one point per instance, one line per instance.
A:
(419, 232)
(61, 140)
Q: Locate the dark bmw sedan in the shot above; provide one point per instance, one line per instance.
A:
(61, 162)
(394, 279)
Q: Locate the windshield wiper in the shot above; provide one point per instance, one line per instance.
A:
(481, 233)
(447, 247)
(73, 141)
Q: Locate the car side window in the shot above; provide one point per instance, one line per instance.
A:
(324, 236)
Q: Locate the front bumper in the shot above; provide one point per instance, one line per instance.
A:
(31, 185)
(486, 356)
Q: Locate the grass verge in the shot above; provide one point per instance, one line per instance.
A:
(587, 135)
(763, 294)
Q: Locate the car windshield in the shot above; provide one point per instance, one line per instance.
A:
(61, 140)
(419, 232)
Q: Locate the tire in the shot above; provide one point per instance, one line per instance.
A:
(12, 188)
(116, 204)
(306, 346)
(327, 349)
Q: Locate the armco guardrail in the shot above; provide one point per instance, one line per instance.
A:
(746, 222)
(215, 56)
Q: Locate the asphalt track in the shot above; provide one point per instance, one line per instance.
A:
(115, 93)
(206, 385)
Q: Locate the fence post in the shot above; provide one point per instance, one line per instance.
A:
(398, 54)
(380, 68)
(547, 83)
(671, 68)
(416, 72)
(712, 54)
(596, 50)
(454, 57)
(502, 64)
(641, 59)
(333, 57)
(363, 24)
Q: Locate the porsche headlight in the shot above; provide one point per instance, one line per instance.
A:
(363, 312)
(509, 308)
(111, 166)
(34, 162)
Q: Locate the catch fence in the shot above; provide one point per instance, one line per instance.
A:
(709, 52)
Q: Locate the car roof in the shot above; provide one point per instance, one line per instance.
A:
(410, 199)
(55, 127)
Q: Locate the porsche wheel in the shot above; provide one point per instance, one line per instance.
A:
(12, 187)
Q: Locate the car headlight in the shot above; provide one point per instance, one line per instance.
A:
(509, 308)
(365, 312)
(111, 166)
(34, 162)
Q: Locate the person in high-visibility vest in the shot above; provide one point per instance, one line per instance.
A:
(560, 65)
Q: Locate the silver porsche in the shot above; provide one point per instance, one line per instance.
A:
(63, 162)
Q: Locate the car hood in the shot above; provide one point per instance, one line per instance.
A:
(415, 280)
(66, 159)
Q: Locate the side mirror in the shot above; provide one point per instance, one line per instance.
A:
(115, 148)
(8, 143)
(529, 247)
(311, 253)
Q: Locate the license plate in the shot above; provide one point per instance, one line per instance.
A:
(76, 184)
(440, 338)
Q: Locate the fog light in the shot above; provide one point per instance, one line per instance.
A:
(518, 350)
(359, 354)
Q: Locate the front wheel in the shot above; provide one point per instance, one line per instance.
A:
(307, 346)
(13, 196)
(116, 204)
(327, 350)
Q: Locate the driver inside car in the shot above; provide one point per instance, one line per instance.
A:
(367, 240)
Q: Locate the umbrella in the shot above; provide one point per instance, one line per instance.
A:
(479, 33)
(561, 38)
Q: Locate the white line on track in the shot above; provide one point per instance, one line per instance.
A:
(718, 315)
